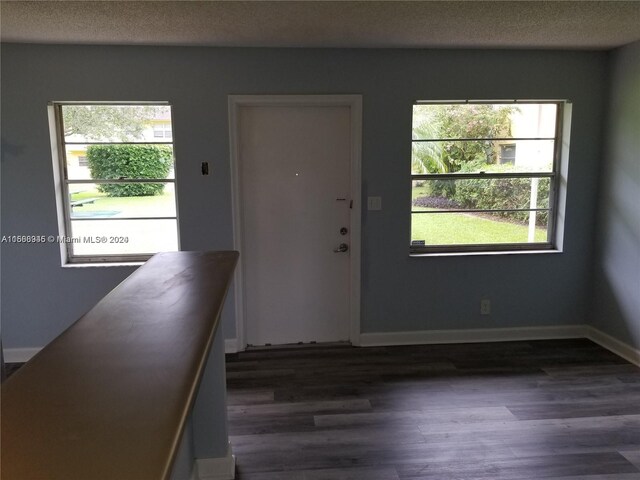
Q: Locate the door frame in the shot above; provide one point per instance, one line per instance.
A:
(354, 102)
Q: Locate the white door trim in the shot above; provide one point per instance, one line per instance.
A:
(354, 102)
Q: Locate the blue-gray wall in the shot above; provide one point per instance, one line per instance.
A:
(40, 299)
(617, 270)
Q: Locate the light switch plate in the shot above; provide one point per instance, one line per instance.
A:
(374, 203)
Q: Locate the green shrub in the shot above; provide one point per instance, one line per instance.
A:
(503, 193)
(442, 188)
(129, 161)
(447, 188)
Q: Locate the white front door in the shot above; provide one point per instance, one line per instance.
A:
(293, 167)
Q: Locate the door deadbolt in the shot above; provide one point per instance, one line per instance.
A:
(343, 231)
(343, 247)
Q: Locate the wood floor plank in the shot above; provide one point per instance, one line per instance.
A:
(621, 405)
(358, 455)
(255, 374)
(628, 425)
(521, 468)
(613, 476)
(541, 450)
(592, 370)
(525, 404)
(418, 417)
(294, 408)
(266, 425)
(251, 396)
(559, 436)
(368, 473)
(343, 438)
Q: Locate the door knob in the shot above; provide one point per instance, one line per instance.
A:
(343, 247)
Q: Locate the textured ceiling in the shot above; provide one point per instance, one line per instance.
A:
(475, 24)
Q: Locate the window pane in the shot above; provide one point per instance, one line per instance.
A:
(122, 200)
(461, 140)
(480, 228)
(486, 156)
(115, 123)
(498, 120)
(110, 161)
(119, 237)
(480, 194)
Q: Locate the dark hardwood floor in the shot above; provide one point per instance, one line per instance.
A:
(553, 410)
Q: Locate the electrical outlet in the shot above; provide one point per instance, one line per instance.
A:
(485, 306)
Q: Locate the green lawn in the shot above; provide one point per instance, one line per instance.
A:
(463, 228)
(151, 206)
(466, 228)
(418, 192)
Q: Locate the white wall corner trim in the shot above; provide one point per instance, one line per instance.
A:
(621, 349)
(425, 337)
(223, 468)
(19, 355)
(231, 345)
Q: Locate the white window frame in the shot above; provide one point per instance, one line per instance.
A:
(62, 183)
(557, 193)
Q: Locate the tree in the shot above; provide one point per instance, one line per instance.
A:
(108, 122)
(447, 123)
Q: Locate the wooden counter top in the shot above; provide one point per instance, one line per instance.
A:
(109, 398)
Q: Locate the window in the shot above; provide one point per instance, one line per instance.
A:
(484, 176)
(508, 153)
(116, 182)
(162, 130)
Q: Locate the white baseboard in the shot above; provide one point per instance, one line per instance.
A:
(231, 345)
(425, 337)
(223, 468)
(19, 355)
(621, 349)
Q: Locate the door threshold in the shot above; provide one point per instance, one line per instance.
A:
(299, 345)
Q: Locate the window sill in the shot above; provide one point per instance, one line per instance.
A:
(496, 252)
(102, 264)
